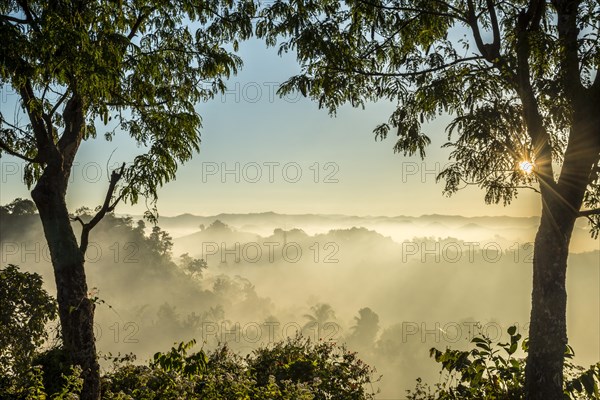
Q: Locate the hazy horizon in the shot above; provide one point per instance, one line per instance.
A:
(426, 282)
(332, 214)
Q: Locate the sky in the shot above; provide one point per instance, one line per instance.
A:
(263, 153)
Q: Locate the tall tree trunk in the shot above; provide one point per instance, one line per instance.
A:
(76, 310)
(548, 325)
(562, 203)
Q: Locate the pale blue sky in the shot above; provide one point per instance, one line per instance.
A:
(254, 128)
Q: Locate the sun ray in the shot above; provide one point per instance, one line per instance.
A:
(527, 167)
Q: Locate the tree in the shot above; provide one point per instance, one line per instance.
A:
(194, 266)
(366, 328)
(320, 321)
(80, 66)
(217, 226)
(25, 308)
(520, 81)
(161, 241)
(21, 207)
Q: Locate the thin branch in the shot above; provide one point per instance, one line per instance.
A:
(408, 74)
(12, 126)
(450, 6)
(74, 121)
(138, 23)
(13, 19)
(31, 18)
(43, 96)
(587, 213)
(482, 180)
(78, 219)
(475, 28)
(381, 45)
(419, 10)
(490, 51)
(106, 207)
(117, 200)
(525, 187)
(509, 4)
(528, 22)
(495, 47)
(534, 14)
(125, 103)
(122, 194)
(505, 187)
(216, 13)
(10, 151)
(43, 138)
(59, 102)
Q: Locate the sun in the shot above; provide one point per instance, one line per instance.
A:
(527, 167)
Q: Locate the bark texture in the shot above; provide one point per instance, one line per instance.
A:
(76, 310)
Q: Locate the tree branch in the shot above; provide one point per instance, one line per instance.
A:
(10, 151)
(525, 187)
(58, 103)
(78, 219)
(31, 18)
(534, 13)
(381, 45)
(490, 51)
(106, 207)
(587, 213)
(450, 6)
(45, 145)
(138, 23)
(472, 21)
(13, 126)
(13, 19)
(495, 47)
(419, 10)
(407, 74)
(528, 21)
(74, 120)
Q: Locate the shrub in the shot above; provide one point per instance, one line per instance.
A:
(25, 309)
(492, 371)
(294, 369)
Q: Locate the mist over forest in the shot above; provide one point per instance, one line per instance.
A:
(389, 287)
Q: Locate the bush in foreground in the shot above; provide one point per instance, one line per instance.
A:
(293, 369)
(491, 371)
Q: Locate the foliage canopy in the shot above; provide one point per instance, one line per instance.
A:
(86, 68)
(511, 75)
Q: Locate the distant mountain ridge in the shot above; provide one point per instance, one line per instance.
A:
(232, 218)
(399, 228)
